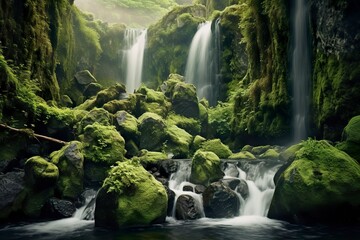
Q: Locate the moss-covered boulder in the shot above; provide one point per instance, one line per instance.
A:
(190, 125)
(242, 155)
(322, 184)
(126, 124)
(98, 115)
(270, 154)
(153, 101)
(178, 142)
(103, 144)
(112, 93)
(167, 87)
(148, 157)
(216, 146)
(128, 104)
(205, 168)
(198, 140)
(184, 100)
(70, 162)
(351, 138)
(152, 129)
(40, 173)
(130, 196)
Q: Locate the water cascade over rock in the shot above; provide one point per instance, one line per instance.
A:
(301, 69)
(245, 190)
(135, 40)
(203, 62)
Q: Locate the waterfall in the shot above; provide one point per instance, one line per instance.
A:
(301, 70)
(135, 40)
(203, 62)
(258, 176)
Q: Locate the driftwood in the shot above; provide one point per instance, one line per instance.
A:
(31, 133)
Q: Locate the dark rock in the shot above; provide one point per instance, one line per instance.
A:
(58, 208)
(184, 100)
(89, 210)
(232, 183)
(243, 189)
(92, 89)
(66, 101)
(84, 77)
(186, 208)
(167, 167)
(220, 201)
(171, 199)
(199, 189)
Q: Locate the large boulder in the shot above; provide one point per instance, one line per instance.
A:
(152, 131)
(186, 208)
(84, 78)
(178, 143)
(12, 194)
(127, 125)
(70, 162)
(153, 101)
(184, 100)
(58, 208)
(351, 138)
(98, 115)
(190, 125)
(217, 147)
(220, 201)
(40, 173)
(130, 196)
(205, 168)
(321, 184)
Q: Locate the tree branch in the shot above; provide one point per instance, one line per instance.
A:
(31, 133)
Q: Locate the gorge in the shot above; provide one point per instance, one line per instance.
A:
(200, 119)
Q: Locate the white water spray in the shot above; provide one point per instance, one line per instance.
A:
(135, 41)
(301, 70)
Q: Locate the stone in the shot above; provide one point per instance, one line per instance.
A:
(152, 131)
(186, 208)
(40, 173)
(56, 208)
(84, 77)
(217, 147)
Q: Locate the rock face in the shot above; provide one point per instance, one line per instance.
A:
(130, 196)
(220, 201)
(351, 139)
(12, 193)
(205, 168)
(322, 184)
(186, 208)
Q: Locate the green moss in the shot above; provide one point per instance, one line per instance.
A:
(270, 154)
(126, 124)
(351, 132)
(205, 168)
(137, 197)
(242, 155)
(98, 115)
(70, 161)
(324, 177)
(153, 101)
(260, 149)
(146, 157)
(40, 173)
(35, 201)
(220, 118)
(216, 146)
(108, 94)
(289, 153)
(103, 144)
(190, 125)
(198, 140)
(178, 142)
(152, 129)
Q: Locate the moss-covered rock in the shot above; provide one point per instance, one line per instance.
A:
(217, 147)
(108, 94)
(242, 155)
(70, 162)
(190, 125)
(153, 101)
(351, 138)
(322, 184)
(147, 157)
(128, 104)
(126, 124)
(258, 150)
(130, 196)
(103, 144)
(184, 100)
(40, 173)
(84, 78)
(167, 87)
(198, 140)
(205, 168)
(98, 115)
(152, 129)
(270, 154)
(178, 143)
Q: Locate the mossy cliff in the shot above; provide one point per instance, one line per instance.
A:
(336, 60)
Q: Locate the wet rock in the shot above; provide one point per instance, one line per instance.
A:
(220, 201)
(199, 189)
(188, 188)
(232, 183)
(58, 208)
(186, 208)
(167, 167)
(171, 199)
(243, 189)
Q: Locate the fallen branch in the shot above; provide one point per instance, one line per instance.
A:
(31, 133)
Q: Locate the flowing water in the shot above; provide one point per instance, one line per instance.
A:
(251, 224)
(202, 65)
(134, 40)
(301, 69)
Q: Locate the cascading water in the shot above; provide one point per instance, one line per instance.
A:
(203, 62)
(301, 69)
(258, 176)
(135, 40)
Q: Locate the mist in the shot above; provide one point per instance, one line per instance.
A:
(131, 17)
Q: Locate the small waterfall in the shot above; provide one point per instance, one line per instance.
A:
(257, 175)
(301, 70)
(203, 62)
(135, 40)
